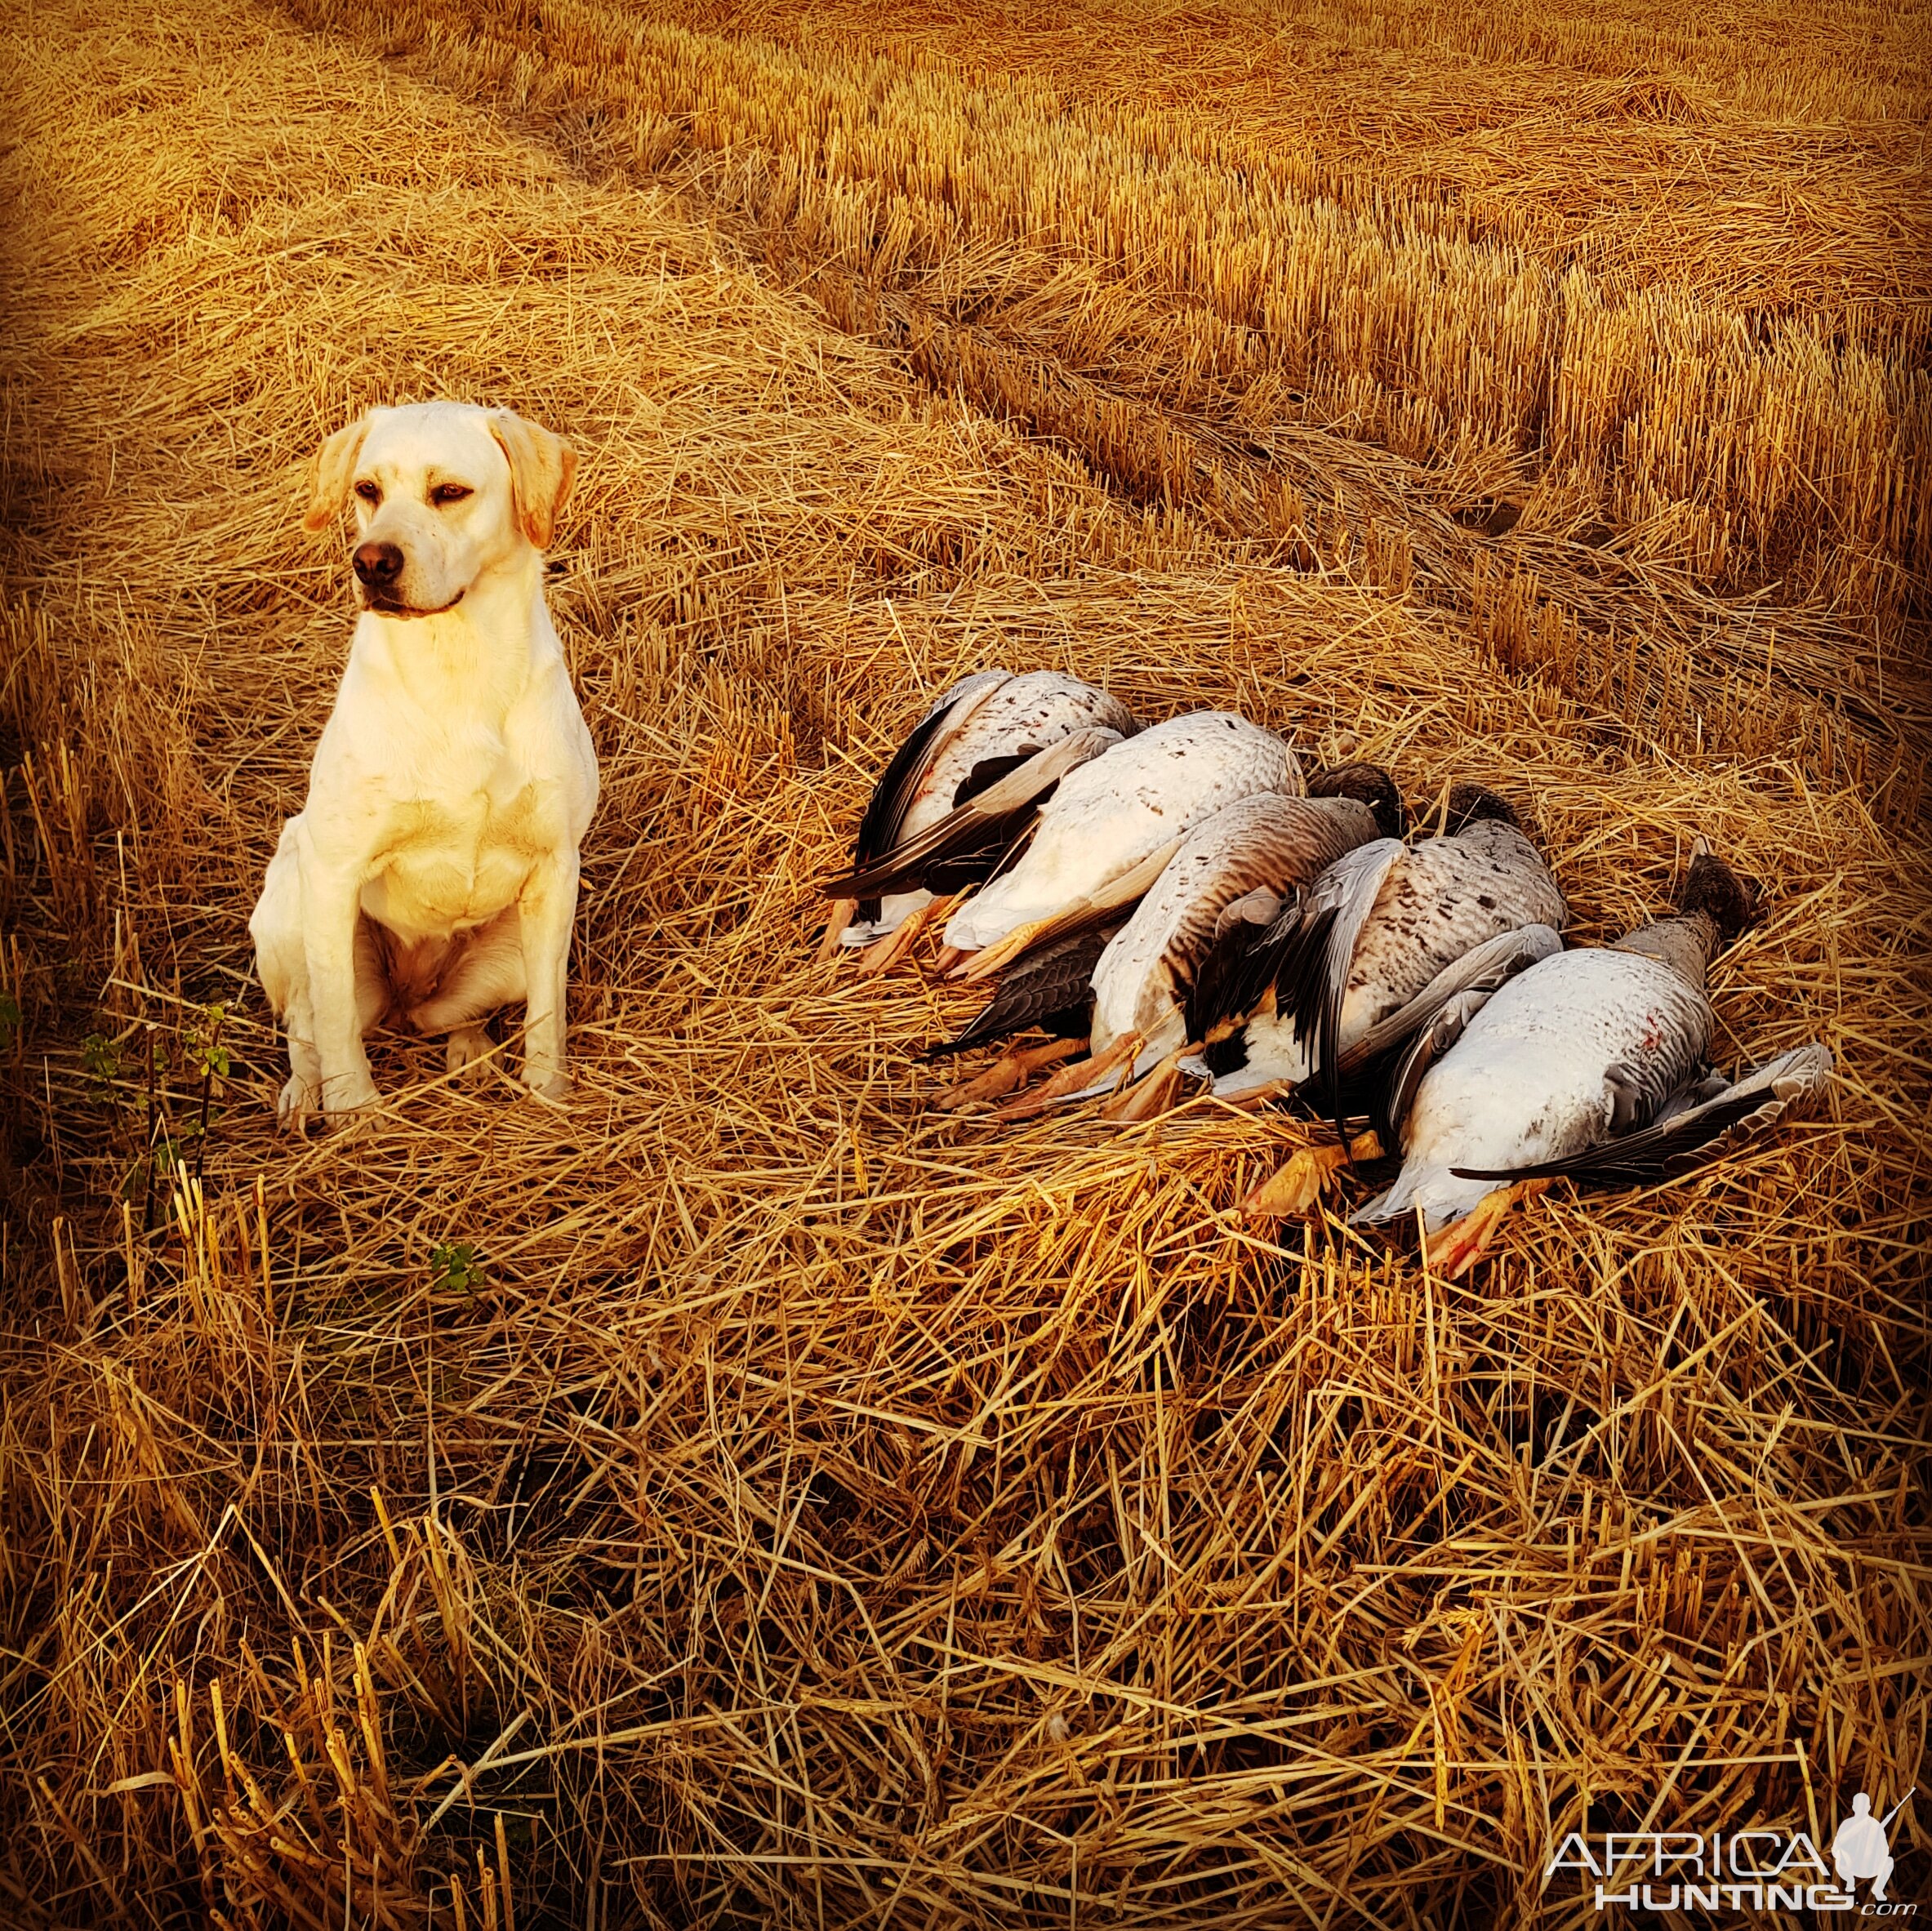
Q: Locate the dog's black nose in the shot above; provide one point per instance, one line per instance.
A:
(379, 564)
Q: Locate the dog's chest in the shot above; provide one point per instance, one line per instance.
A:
(452, 862)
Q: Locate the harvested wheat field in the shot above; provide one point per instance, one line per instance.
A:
(752, 1497)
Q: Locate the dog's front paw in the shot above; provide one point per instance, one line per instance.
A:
(464, 1047)
(295, 1101)
(555, 1085)
(351, 1093)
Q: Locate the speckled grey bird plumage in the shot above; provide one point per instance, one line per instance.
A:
(1593, 1063)
(1383, 923)
(1242, 863)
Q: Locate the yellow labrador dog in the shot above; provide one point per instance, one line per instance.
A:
(432, 874)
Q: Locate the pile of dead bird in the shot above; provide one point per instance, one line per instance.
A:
(1183, 909)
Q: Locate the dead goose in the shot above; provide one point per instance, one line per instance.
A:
(1110, 827)
(1590, 1064)
(1123, 984)
(916, 841)
(1384, 934)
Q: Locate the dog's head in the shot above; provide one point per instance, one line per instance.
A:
(443, 492)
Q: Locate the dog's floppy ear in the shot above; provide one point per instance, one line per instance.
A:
(334, 465)
(542, 467)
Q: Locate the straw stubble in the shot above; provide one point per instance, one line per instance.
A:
(754, 1497)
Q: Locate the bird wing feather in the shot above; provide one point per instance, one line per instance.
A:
(1487, 966)
(1239, 959)
(1247, 856)
(1011, 800)
(1052, 985)
(1144, 794)
(1314, 974)
(1449, 894)
(1241, 964)
(1028, 713)
(885, 810)
(1081, 913)
(1676, 1141)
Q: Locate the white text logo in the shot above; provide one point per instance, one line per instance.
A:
(1760, 1870)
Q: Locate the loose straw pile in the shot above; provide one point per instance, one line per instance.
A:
(749, 1497)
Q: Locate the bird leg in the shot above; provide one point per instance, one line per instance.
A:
(837, 916)
(1145, 1098)
(882, 954)
(1295, 1187)
(1454, 1250)
(1074, 1079)
(1010, 1070)
(950, 958)
(1251, 1099)
(989, 959)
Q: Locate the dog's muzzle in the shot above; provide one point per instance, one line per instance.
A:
(378, 570)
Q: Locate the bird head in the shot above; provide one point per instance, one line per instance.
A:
(1712, 889)
(1370, 785)
(1470, 803)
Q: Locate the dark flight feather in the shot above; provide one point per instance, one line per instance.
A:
(1051, 988)
(979, 831)
(885, 810)
(1240, 967)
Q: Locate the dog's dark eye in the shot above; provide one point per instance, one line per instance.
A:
(369, 493)
(450, 492)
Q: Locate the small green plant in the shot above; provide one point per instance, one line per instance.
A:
(454, 1268)
(202, 1040)
(166, 1153)
(10, 1019)
(100, 1056)
(201, 1043)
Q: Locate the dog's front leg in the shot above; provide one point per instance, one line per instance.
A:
(330, 909)
(547, 909)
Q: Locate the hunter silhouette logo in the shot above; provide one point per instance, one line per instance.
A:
(1861, 1851)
